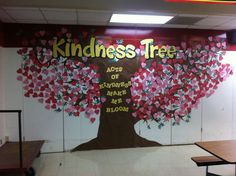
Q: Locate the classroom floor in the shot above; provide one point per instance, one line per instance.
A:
(151, 161)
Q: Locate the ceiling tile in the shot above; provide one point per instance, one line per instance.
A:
(148, 5)
(213, 20)
(231, 23)
(8, 20)
(199, 27)
(3, 14)
(59, 14)
(191, 15)
(32, 21)
(184, 20)
(99, 23)
(20, 13)
(174, 26)
(222, 28)
(102, 17)
(62, 21)
(94, 16)
(4, 17)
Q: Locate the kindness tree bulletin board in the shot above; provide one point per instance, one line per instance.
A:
(119, 76)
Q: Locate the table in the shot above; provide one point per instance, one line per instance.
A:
(9, 156)
(225, 149)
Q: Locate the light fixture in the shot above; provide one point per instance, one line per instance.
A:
(141, 19)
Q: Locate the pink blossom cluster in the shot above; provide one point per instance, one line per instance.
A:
(170, 88)
(67, 84)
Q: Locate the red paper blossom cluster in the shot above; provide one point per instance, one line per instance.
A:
(170, 88)
(67, 84)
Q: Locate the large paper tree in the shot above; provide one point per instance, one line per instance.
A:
(162, 89)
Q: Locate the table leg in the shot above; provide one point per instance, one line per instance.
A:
(211, 174)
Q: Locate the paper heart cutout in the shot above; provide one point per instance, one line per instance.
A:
(128, 100)
(92, 120)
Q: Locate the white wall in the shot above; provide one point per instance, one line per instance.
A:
(231, 56)
(12, 92)
(217, 113)
(2, 116)
(42, 124)
(79, 130)
(219, 110)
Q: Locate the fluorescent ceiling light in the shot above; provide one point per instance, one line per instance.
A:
(143, 19)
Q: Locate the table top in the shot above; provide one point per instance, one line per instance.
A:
(225, 150)
(9, 155)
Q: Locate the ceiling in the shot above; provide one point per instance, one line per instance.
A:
(98, 12)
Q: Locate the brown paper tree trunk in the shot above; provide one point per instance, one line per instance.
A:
(116, 129)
